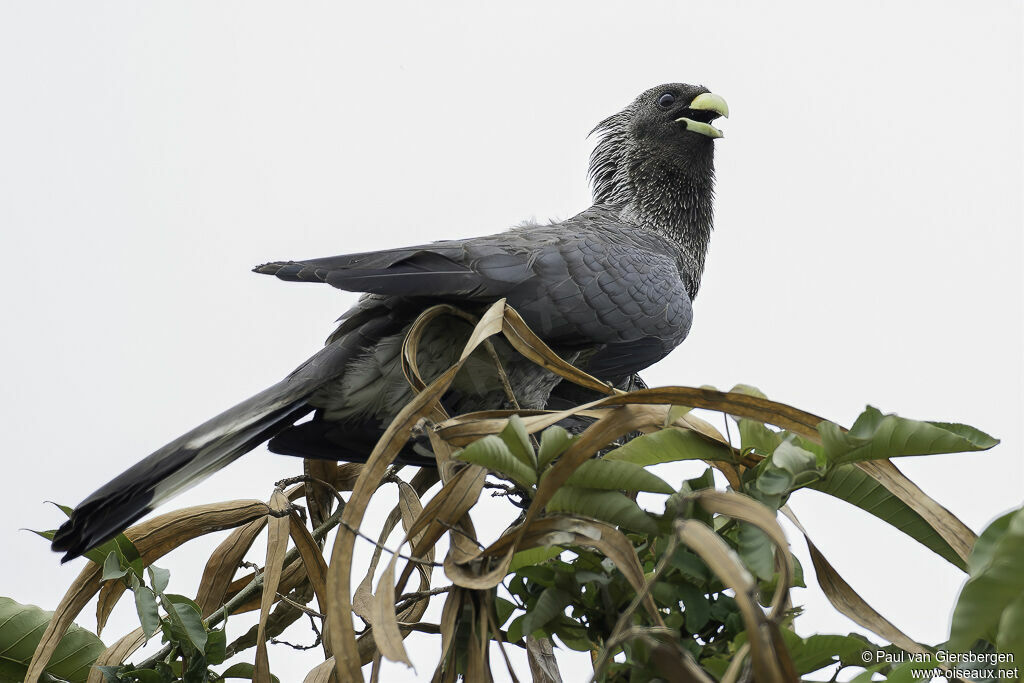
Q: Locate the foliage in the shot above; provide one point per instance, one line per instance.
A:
(656, 579)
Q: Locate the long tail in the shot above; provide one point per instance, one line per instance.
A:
(197, 454)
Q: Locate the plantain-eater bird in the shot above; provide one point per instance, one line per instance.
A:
(610, 289)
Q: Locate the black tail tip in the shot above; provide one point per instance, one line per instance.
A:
(69, 541)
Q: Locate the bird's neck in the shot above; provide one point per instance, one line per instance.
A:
(676, 203)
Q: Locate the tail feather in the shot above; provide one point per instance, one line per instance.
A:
(179, 465)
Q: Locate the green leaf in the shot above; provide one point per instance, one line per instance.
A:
(532, 556)
(610, 506)
(112, 568)
(243, 670)
(517, 439)
(773, 481)
(617, 476)
(504, 609)
(874, 436)
(819, 651)
(669, 445)
(572, 635)
(985, 546)
(689, 565)
(216, 646)
(193, 623)
(674, 413)
(997, 584)
(756, 550)
(492, 453)
(515, 629)
(793, 459)
(853, 485)
(158, 578)
(551, 603)
(756, 436)
(697, 610)
(22, 626)
(145, 605)
(747, 390)
(1010, 632)
(553, 442)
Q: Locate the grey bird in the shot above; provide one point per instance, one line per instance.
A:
(610, 289)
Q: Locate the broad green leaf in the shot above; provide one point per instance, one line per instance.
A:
(874, 436)
(517, 439)
(853, 485)
(986, 594)
(515, 629)
(145, 605)
(532, 556)
(747, 390)
(674, 413)
(243, 670)
(572, 635)
(492, 453)
(216, 646)
(553, 442)
(504, 609)
(551, 603)
(112, 568)
(690, 565)
(1010, 633)
(158, 578)
(773, 481)
(819, 651)
(194, 628)
(697, 610)
(193, 623)
(981, 553)
(617, 475)
(756, 436)
(610, 506)
(793, 459)
(21, 627)
(669, 445)
(756, 550)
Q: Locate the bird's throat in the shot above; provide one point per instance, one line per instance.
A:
(679, 205)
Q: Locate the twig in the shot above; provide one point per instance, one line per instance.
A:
(251, 589)
(407, 599)
(316, 643)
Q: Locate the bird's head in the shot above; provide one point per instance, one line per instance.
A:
(666, 130)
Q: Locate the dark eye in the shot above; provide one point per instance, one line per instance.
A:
(666, 100)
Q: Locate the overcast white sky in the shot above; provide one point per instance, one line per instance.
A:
(867, 245)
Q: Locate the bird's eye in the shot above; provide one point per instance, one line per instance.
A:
(666, 100)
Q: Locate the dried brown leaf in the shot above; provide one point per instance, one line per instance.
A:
(319, 497)
(845, 599)
(277, 547)
(954, 532)
(316, 567)
(223, 564)
(323, 673)
(744, 508)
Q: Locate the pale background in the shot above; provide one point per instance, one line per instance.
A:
(867, 244)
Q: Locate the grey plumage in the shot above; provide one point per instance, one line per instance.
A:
(610, 289)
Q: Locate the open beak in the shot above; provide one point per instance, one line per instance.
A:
(709, 102)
